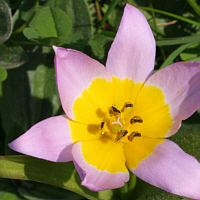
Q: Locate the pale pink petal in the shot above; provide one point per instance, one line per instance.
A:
(180, 83)
(132, 53)
(48, 139)
(171, 169)
(94, 179)
(74, 73)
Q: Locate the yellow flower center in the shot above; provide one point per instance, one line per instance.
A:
(119, 123)
(121, 110)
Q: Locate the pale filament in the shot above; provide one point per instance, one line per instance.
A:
(117, 122)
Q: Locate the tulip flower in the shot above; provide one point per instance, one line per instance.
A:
(119, 116)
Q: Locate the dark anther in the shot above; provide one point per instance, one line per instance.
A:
(128, 105)
(137, 134)
(115, 110)
(136, 119)
(132, 135)
(102, 124)
(125, 132)
(121, 134)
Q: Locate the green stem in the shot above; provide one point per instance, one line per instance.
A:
(171, 15)
(177, 40)
(157, 31)
(105, 17)
(174, 54)
(195, 6)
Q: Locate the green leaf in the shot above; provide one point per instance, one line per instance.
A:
(39, 191)
(61, 175)
(24, 15)
(192, 53)
(128, 190)
(74, 41)
(190, 143)
(174, 54)
(145, 191)
(79, 12)
(31, 33)
(190, 125)
(12, 56)
(108, 34)
(44, 23)
(177, 40)
(170, 15)
(5, 21)
(83, 20)
(3, 74)
(98, 45)
(53, 22)
(195, 6)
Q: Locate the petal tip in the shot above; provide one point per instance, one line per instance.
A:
(10, 145)
(55, 48)
(130, 8)
(13, 145)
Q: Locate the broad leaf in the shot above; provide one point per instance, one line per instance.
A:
(39, 191)
(53, 22)
(31, 33)
(5, 21)
(12, 56)
(80, 14)
(61, 175)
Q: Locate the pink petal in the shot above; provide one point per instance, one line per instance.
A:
(74, 73)
(180, 83)
(95, 179)
(48, 139)
(132, 53)
(171, 169)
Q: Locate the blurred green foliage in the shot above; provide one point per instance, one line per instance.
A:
(28, 92)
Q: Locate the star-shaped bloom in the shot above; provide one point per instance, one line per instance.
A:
(118, 116)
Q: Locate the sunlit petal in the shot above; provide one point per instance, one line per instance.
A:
(171, 169)
(132, 53)
(48, 139)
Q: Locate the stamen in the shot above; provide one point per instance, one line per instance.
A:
(114, 111)
(127, 105)
(132, 135)
(136, 119)
(102, 124)
(121, 134)
(104, 128)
